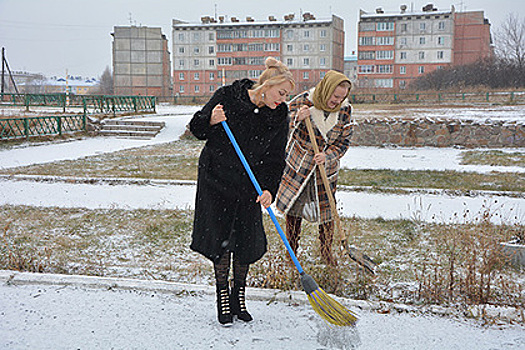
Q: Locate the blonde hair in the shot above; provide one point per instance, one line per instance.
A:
(275, 73)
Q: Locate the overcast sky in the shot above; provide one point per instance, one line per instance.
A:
(50, 36)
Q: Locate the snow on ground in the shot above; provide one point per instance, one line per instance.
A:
(82, 312)
(53, 314)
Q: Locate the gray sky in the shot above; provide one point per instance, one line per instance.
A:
(50, 36)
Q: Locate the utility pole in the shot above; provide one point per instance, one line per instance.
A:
(3, 70)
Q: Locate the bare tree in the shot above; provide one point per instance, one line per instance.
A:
(106, 82)
(510, 40)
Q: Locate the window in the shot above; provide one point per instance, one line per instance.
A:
(422, 40)
(181, 89)
(272, 47)
(224, 61)
(196, 36)
(212, 63)
(421, 55)
(403, 27)
(403, 41)
(211, 36)
(322, 47)
(385, 55)
(306, 47)
(402, 84)
(181, 63)
(306, 33)
(196, 49)
(366, 68)
(385, 26)
(421, 70)
(385, 40)
(289, 62)
(212, 88)
(306, 61)
(289, 48)
(367, 40)
(322, 33)
(403, 56)
(367, 55)
(402, 70)
(196, 62)
(422, 26)
(212, 76)
(196, 76)
(181, 76)
(384, 68)
(384, 83)
(440, 55)
(322, 62)
(289, 34)
(441, 40)
(367, 26)
(181, 49)
(197, 88)
(181, 36)
(322, 74)
(306, 76)
(441, 25)
(211, 49)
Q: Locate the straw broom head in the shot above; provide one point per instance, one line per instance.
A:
(329, 309)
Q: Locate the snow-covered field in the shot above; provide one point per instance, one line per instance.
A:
(48, 312)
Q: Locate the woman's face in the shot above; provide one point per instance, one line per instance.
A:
(337, 97)
(277, 94)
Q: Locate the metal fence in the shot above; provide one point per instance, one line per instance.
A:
(14, 128)
(438, 97)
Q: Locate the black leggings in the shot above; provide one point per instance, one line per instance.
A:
(222, 270)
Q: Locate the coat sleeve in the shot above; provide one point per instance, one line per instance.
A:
(338, 148)
(200, 123)
(274, 161)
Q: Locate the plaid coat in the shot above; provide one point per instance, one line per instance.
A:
(300, 166)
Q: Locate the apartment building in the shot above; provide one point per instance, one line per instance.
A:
(141, 62)
(396, 48)
(218, 51)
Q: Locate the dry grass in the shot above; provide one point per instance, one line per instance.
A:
(418, 263)
(493, 157)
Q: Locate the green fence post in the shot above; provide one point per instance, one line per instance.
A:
(26, 127)
(59, 125)
(134, 99)
(512, 96)
(487, 96)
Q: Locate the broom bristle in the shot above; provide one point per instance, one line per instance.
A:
(330, 310)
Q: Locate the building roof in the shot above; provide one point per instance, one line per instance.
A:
(403, 14)
(177, 23)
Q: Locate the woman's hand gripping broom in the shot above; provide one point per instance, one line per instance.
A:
(355, 254)
(329, 309)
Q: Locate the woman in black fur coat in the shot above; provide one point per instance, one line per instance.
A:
(228, 218)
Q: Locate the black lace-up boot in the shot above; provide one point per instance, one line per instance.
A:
(223, 306)
(238, 303)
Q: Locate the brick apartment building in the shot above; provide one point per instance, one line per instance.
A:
(218, 51)
(395, 48)
(141, 62)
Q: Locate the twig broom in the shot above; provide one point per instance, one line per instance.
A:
(355, 254)
(329, 309)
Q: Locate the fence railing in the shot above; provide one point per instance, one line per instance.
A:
(14, 128)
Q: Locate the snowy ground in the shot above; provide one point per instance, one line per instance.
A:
(64, 312)
(81, 312)
(429, 206)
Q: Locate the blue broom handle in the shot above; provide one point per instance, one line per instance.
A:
(259, 191)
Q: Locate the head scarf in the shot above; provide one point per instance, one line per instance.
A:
(325, 89)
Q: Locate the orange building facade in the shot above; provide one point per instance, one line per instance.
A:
(394, 49)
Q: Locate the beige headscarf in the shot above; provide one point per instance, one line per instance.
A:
(325, 89)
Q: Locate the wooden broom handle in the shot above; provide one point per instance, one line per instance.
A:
(324, 177)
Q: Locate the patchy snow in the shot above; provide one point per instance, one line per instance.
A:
(51, 312)
(82, 312)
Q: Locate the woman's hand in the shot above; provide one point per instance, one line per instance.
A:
(265, 199)
(303, 113)
(217, 115)
(319, 158)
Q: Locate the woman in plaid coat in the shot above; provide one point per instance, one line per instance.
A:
(301, 194)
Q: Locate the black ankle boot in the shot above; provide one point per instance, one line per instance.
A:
(223, 306)
(238, 303)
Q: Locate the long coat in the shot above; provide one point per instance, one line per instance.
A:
(300, 165)
(227, 217)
